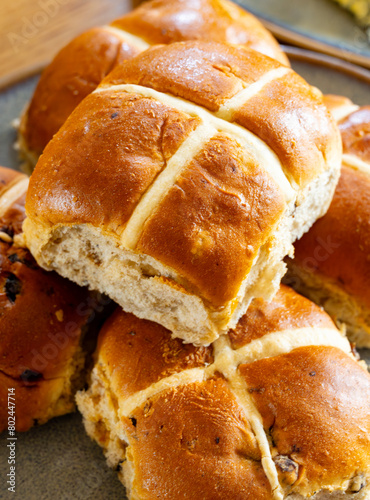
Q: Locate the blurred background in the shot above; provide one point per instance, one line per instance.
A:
(31, 32)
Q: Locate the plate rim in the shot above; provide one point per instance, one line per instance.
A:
(287, 33)
(328, 61)
(294, 37)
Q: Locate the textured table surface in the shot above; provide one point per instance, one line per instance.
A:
(31, 32)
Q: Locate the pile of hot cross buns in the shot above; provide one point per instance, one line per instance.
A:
(181, 169)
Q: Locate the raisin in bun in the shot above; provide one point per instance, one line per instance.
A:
(80, 66)
(42, 321)
(331, 264)
(178, 186)
(278, 408)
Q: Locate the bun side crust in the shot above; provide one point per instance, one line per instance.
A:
(331, 264)
(343, 233)
(228, 415)
(43, 299)
(74, 73)
(42, 321)
(355, 132)
(34, 403)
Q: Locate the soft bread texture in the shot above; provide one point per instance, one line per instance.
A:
(331, 264)
(79, 67)
(43, 318)
(164, 190)
(276, 409)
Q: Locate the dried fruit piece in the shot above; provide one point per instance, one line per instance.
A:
(12, 287)
(31, 376)
(357, 483)
(287, 469)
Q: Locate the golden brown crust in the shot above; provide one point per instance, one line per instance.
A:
(41, 321)
(80, 66)
(202, 72)
(213, 221)
(73, 74)
(224, 204)
(288, 114)
(12, 220)
(7, 178)
(38, 310)
(337, 246)
(303, 410)
(195, 442)
(286, 311)
(35, 401)
(214, 20)
(140, 353)
(313, 404)
(13, 215)
(355, 131)
(146, 134)
(41, 317)
(333, 101)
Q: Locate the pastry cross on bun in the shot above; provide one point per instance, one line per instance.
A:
(332, 263)
(179, 185)
(276, 409)
(83, 63)
(43, 318)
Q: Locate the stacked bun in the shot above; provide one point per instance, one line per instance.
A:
(176, 182)
(278, 408)
(331, 264)
(80, 66)
(43, 319)
(179, 185)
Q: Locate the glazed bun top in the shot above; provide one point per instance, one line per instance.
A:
(280, 402)
(163, 22)
(354, 126)
(176, 134)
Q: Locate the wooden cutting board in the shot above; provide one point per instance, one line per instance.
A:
(31, 32)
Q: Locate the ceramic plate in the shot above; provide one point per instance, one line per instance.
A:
(58, 460)
(315, 24)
